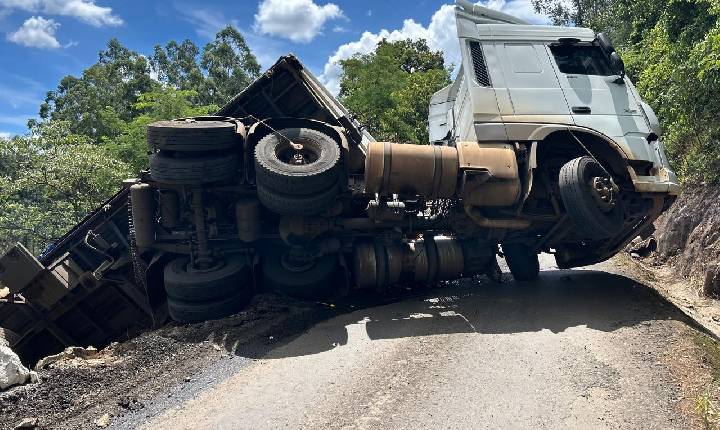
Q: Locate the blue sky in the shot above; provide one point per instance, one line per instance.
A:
(43, 40)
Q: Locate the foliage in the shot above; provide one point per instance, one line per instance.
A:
(108, 92)
(389, 89)
(581, 13)
(225, 67)
(114, 81)
(49, 180)
(230, 66)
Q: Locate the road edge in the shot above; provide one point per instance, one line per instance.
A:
(649, 277)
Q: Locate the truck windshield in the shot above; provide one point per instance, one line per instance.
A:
(581, 60)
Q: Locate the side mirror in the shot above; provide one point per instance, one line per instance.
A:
(605, 43)
(617, 64)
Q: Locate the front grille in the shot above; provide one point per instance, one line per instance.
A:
(481, 71)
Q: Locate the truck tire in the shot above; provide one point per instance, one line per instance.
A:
(318, 161)
(195, 170)
(291, 204)
(523, 263)
(192, 134)
(232, 277)
(314, 282)
(582, 208)
(193, 312)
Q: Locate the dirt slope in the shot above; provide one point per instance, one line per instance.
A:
(688, 234)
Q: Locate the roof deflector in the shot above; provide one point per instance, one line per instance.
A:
(482, 15)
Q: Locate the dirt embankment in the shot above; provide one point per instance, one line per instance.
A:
(130, 376)
(688, 237)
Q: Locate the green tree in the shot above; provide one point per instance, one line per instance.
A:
(230, 67)
(177, 65)
(54, 179)
(389, 89)
(115, 82)
(581, 13)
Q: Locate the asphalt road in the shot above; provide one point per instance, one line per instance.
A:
(577, 349)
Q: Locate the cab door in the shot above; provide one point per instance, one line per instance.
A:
(531, 85)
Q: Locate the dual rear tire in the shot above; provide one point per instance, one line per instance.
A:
(193, 151)
(199, 295)
(297, 171)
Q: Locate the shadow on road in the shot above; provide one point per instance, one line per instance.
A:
(557, 301)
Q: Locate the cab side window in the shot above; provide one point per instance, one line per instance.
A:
(574, 59)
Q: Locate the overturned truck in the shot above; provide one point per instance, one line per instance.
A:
(541, 144)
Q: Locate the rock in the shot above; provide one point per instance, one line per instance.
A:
(8, 337)
(103, 421)
(641, 248)
(69, 354)
(688, 234)
(711, 286)
(27, 423)
(12, 371)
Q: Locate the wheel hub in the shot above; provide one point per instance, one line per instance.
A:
(604, 191)
(297, 261)
(297, 154)
(205, 267)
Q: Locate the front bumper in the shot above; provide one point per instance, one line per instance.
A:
(664, 181)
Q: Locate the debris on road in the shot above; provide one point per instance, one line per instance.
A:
(641, 248)
(74, 354)
(103, 421)
(27, 423)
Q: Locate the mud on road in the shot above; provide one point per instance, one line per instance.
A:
(606, 348)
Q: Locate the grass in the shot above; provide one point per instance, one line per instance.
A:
(706, 404)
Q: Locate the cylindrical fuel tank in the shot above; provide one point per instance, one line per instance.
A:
(424, 261)
(377, 266)
(143, 214)
(490, 174)
(247, 214)
(450, 260)
(169, 209)
(426, 170)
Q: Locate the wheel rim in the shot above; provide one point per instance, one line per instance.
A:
(604, 192)
(297, 152)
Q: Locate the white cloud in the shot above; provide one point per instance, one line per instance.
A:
(84, 10)
(441, 35)
(36, 32)
(298, 20)
(6, 135)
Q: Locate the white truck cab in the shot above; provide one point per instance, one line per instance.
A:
(522, 83)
